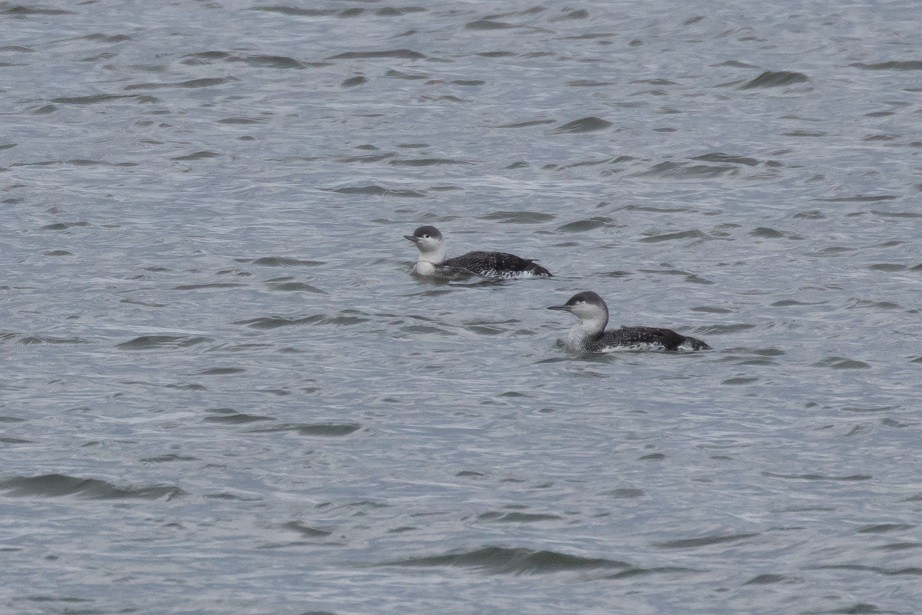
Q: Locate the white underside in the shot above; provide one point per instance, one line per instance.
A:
(631, 348)
(424, 268)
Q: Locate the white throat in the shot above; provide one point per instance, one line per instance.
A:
(581, 333)
(435, 255)
(591, 323)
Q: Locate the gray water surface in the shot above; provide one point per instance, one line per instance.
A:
(222, 391)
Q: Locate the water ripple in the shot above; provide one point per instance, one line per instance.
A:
(586, 124)
(152, 342)
(57, 485)
(313, 429)
(405, 54)
(706, 541)
(773, 79)
(503, 560)
(376, 190)
(891, 65)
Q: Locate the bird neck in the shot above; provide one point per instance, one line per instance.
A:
(436, 256)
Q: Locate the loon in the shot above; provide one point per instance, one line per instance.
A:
(589, 334)
(432, 253)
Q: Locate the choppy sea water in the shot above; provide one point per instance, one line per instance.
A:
(222, 391)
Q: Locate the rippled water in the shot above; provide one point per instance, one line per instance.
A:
(224, 393)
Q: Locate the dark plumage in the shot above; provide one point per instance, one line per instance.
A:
(496, 265)
(589, 334)
(433, 260)
(644, 336)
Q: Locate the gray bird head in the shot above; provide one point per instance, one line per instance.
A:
(586, 305)
(428, 239)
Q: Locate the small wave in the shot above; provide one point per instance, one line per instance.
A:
(63, 226)
(870, 409)
(366, 158)
(488, 328)
(723, 329)
(858, 198)
(270, 61)
(586, 124)
(150, 342)
(284, 261)
(795, 303)
(353, 81)
(274, 322)
(206, 56)
(295, 11)
(824, 477)
(18, 9)
(314, 429)
(885, 527)
(207, 286)
(831, 251)
(572, 14)
(295, 287)
(585, 163)
(517, 517)
(766, 233)
(891, 65)
(425, 329)
(425, 162)
(706, 541)
(220, 371)
(191, 83)
(502, 560)
(773, 79)
(304, 530)
(89, 100)
(518, 217)
(862, 607)
(197, 155)
(104, 38)
(48, 339)
(239, 121)
(766, 579)
(841, 363)
(711, 309)
(11, 440)
(231, 417)
(375, 190)
(582, 226)
(889, 267)
(744, 380)
(728, 158)
(169, 458)
(589, 83)
(488, 24)
(57, 485)
(634, 572)
(526, 124)
(406, 54)
(678, 236)
(804, 133)
(396, 74)
(625, 493)
(681, 169)
(393, 11)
